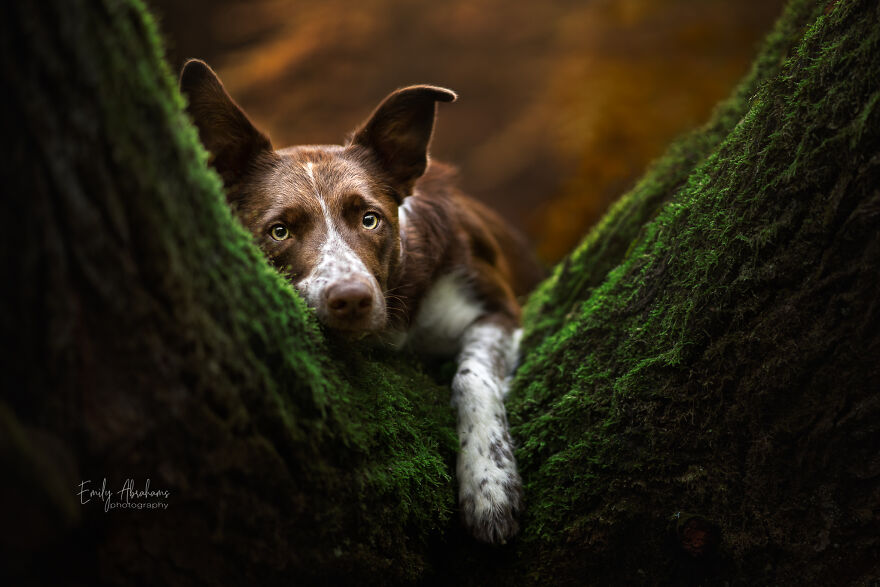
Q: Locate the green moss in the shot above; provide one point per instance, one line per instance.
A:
(672, 330)
(355, 443)
(613, 239)
(703, 350)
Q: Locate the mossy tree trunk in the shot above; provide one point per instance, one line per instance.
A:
(150, 339)
(697, 399)
(712, 408)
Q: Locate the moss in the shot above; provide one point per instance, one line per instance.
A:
(315, 458)
(696, 310)
(613, 238)
(710, 348)
(372, 439)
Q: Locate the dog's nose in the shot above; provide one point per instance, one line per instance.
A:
(350, 300)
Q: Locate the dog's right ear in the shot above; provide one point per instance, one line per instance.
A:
(399, 131)
(224, 128)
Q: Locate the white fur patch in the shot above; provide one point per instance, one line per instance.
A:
(446, 311)
(513, 358)
(402, 213)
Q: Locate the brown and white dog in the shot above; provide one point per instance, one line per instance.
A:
(381, 243)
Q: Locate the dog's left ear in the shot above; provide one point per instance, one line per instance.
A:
(399, 131)
(225, 130)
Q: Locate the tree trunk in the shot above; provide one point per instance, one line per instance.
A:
(697, 401)
(699, 395)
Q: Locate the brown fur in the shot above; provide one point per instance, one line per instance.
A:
(448, 231)
(445, 231)
(277, 190)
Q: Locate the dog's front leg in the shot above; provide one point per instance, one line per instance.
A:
(490, 490)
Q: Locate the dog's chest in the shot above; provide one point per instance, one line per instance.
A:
(445, 312)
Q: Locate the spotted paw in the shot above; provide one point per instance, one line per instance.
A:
(490, 494)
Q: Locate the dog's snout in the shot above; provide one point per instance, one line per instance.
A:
(350, 300)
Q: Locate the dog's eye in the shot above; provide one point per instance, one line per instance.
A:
(370, 221)
(279, 232)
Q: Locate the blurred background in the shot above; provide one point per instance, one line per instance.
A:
(561, 105)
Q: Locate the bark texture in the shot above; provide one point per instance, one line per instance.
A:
(150, 339)
(697, 402)
(699, 396)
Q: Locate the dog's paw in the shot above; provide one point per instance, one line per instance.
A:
(490, 493)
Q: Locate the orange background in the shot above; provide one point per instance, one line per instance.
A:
(561, 104)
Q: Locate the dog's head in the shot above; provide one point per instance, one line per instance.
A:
(326, 216)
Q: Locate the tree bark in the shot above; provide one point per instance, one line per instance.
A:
(697, 401)
(712, 407)
(150, 339)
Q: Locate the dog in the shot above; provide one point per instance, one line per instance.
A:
(381, 243)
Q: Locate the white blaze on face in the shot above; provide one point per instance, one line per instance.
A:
(337, 263)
